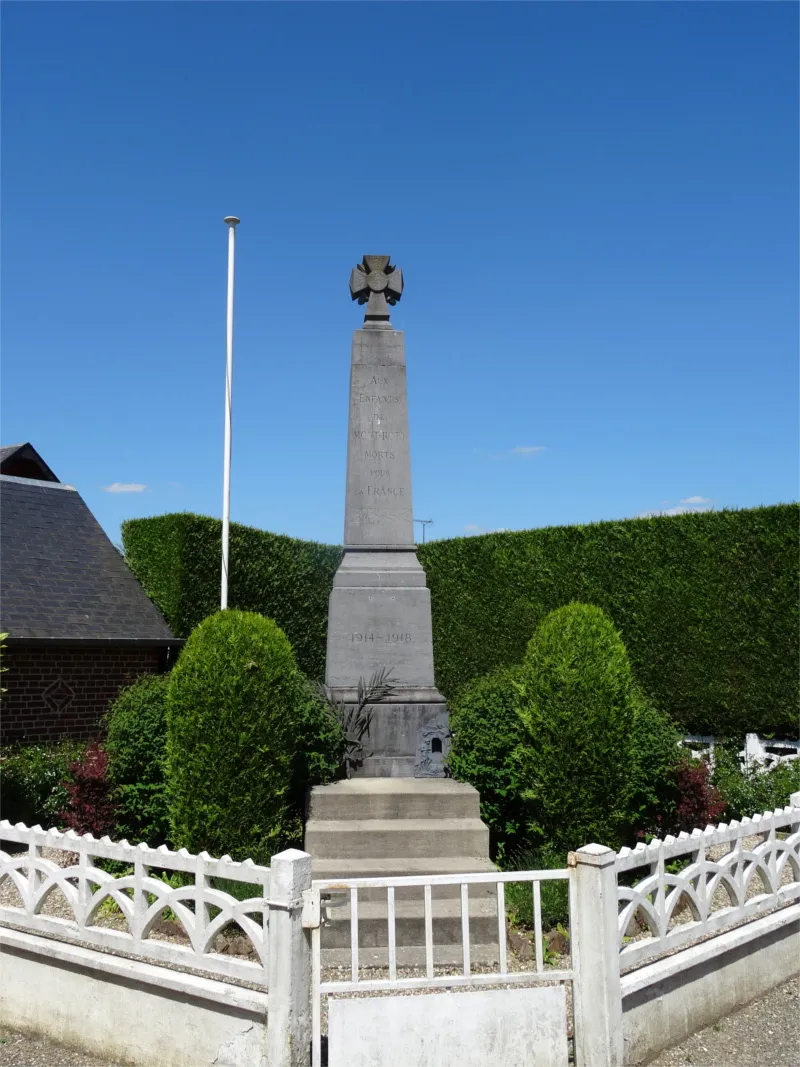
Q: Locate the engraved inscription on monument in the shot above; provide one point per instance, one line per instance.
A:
(378, 501)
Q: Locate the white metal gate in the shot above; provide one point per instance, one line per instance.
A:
(385, 979)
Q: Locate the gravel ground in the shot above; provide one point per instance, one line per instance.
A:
(22, 1050)
(764, 1034)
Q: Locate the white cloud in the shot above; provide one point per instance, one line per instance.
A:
(690, 505)
(124, 487)
(472, 529)
(527, 450)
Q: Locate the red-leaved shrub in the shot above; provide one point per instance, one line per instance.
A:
(699, 802)
(90, 809)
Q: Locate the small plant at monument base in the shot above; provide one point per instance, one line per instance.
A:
(355, 719)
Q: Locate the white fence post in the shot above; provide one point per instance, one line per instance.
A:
(595, 948)
(289, 989)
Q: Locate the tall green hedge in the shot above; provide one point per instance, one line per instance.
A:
(706, 603)
(177, 559)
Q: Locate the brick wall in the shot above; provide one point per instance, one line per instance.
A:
(65, 691)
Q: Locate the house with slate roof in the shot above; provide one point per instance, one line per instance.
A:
(80, 626)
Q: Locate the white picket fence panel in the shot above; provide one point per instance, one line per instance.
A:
(656, 896)
(201, 910)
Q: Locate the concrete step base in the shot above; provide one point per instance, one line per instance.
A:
(378, 838)
(394, 798)
(330, 869)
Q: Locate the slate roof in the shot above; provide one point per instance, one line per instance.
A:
(60, 576)
(25, 462)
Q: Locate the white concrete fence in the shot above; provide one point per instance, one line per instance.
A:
(759, 754)
(707, 921)
(119, 948)
(664, 939)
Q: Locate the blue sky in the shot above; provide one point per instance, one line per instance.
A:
(594, 206)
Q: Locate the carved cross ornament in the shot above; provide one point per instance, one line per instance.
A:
(376, 284)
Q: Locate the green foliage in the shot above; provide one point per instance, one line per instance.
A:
(577, 711)
(354, 720)
(319, 747)
(751, 790)
(240, 722)
(486, 731)
(554, 894)
(707, 603)
(33, 781)
(137, 749)
(656, 756)
(176, 558)
(3, 667)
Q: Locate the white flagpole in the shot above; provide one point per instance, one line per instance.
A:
(232, 222)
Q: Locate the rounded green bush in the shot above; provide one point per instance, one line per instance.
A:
(486, 731)
(136, 744)
(34, 779)
(235, 705)
(577, 712)
(656, 757)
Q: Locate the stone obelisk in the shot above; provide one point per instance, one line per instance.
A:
(390, 820)
(380, 609)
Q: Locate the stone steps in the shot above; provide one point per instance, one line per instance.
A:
(389, 827)
(380, 838)
(373, 930)
(409, 867)
(394, 798)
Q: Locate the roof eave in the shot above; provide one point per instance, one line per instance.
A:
(96, 642)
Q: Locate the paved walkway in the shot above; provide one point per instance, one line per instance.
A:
(764, 1034)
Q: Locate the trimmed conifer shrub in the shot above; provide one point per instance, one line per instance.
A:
(245, 737)
(136, 744)
(486, 731)
(577, 712)
(237, 714)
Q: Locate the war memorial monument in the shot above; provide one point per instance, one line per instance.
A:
(399, 814)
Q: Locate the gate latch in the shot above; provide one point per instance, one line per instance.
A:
(311, 909)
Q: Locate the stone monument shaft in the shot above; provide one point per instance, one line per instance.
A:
(379, 612)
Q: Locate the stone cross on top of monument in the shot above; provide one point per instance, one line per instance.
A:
(376, 284)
